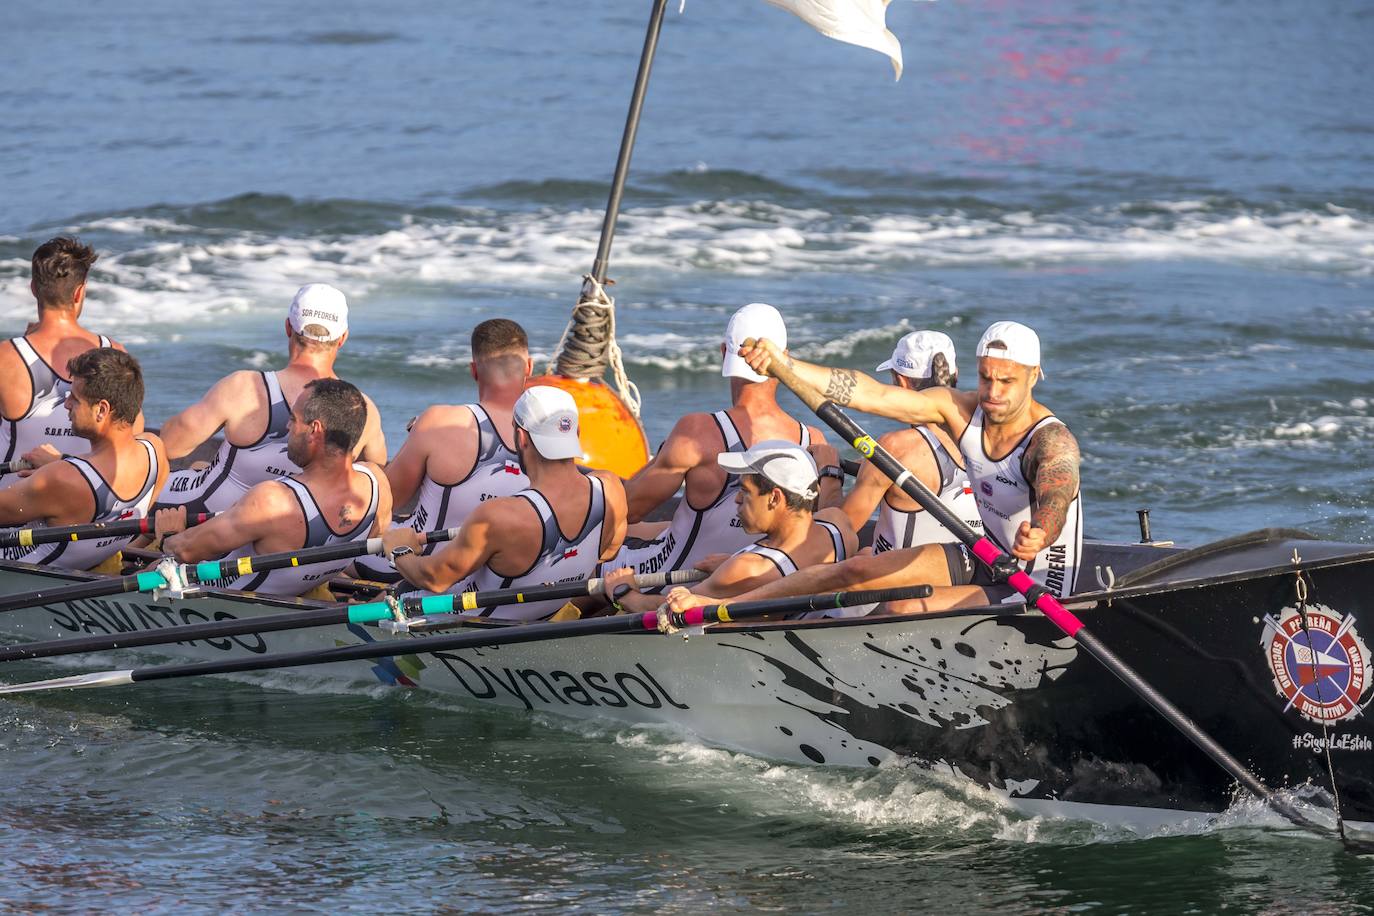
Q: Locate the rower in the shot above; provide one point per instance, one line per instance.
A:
(558, 530)
(32, 391)
(331, 500)
(704, 521)
(114, 479)
(779, 489)
(252, 409)
(1022, 460)
(457, 456)
(921, 360)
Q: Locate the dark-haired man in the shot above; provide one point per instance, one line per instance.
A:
(252, 409)
(457, 457)
(557, 530)
(779, 488)
(1022, 460)
(116, 477)
(921, 360)
(331, 500)
(32, 387)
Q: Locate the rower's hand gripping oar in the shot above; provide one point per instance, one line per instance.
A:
(18, 464)
(371, 612)
(495, 636)
(1005, 569)
(177, 578)
(28, 537)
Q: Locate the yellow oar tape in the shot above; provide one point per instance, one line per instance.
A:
(245, 565)
(866, 446)
(26, 538)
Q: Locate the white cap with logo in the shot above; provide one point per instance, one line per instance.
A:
(549, 416)
(786, 464)
(756, 320)
(1011, 340)
(914, 355)
(322, 305)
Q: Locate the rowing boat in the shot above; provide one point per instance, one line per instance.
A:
(1256, 637)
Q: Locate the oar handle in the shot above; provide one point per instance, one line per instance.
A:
(18, 464)
(29, 537)
(471, 601)
(214, 570)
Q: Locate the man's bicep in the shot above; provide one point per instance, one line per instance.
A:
(1053, 464)
(197, 423)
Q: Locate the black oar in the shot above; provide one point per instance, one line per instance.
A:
(496, 636)
(1004, 569)
(18, 464)
(371, 612)
(205, 572)
(28, 537)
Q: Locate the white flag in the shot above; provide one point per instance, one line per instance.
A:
(859, 22)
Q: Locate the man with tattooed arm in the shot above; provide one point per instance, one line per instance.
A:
(1022, 460)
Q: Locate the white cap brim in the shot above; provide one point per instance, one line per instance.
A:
(734, 366)
(556, 446)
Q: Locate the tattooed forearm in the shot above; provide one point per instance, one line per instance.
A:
(840, 389)
(1052, 465)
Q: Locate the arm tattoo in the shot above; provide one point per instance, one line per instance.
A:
(841, 386)
(1051, 464)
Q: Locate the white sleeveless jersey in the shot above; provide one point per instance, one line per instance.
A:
(46, 420)
(693, 534)
(236, 469)
(560, 559)
(82, 555)
(897, 529)
(1004, 501)
(495, 473)
(786, 566)
(297, 580)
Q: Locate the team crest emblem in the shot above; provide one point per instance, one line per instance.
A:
(1321, 670)
(564, 424)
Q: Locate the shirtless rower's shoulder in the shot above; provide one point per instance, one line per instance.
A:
(560, 529)
(33, 380)
(114, 479)
(333, 499)
(251, 408)
(704, 521)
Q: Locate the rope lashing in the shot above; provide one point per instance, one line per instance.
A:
(588, 344)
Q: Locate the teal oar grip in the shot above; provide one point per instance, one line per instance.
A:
(436, 604)
(371, 612)
(208, 571)
(147, 581)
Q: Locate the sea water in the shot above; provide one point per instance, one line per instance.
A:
(1177, 196)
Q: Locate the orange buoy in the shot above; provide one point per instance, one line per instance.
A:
(612, 439)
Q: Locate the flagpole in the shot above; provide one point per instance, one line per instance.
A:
(627, 140)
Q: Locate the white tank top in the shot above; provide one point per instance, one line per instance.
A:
(897, 529)
(236, 469)
(297, 580)
(694, 534)
(46, 420)
(1004, 500)
(81, 555)
(495, 473)
(784, 562)
(560, 559)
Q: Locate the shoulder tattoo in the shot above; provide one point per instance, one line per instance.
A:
(1051, 465)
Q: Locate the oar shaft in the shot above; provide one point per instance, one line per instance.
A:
(1005, 569)
(28, 537)
(521, 633)
(99, 588)
(214, 570)
(471, 601)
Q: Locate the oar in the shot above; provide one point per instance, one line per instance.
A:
(18, 464)
(496, 636)
(1004, 569)
(207, 571)
(28, 537)
(370, 612)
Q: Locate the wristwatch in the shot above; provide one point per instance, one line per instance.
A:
(401, 551)
(833, 470)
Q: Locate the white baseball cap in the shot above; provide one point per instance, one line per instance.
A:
(756, 320)
(1011, 340)
(320, 304)
(786, 464)
(914, 355)
(549, 416)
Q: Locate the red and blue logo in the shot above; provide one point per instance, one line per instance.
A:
(1320, 666)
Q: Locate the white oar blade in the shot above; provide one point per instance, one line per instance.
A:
(98, 679)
